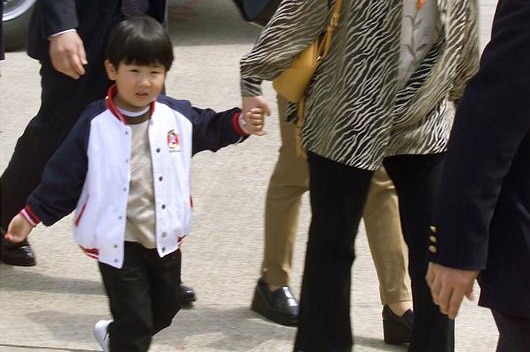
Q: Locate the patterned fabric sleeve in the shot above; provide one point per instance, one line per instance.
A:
(469, 58)
(294, 25)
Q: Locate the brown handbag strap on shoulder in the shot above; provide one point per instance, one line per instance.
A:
(325, 44)
(323, 49)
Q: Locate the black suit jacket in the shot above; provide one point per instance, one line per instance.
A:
(93, 20)
(482, 220)
(1, 31)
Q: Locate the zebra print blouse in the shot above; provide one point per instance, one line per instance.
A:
(355, 114)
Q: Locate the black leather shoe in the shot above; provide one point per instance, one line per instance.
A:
(187, 295)
(280, 306)
(397, 329)
(19, 254)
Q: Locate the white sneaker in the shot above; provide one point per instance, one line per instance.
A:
(101, 334)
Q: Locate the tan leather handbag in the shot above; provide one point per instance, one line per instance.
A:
(293, 82)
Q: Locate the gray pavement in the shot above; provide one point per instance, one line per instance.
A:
(53, 306)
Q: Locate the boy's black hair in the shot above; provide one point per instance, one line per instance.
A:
(140, 40)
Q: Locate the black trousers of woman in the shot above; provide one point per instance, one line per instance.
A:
(337, 196)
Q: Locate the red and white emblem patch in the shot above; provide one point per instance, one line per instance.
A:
(173, 141)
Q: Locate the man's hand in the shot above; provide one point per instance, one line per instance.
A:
(449, 286)
(67, 53)
(18, 229)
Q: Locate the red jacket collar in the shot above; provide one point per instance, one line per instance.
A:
(109, 101)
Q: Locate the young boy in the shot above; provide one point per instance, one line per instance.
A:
(125, 169)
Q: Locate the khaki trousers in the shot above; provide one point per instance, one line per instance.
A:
(289, 181)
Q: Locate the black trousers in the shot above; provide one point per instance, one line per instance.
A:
(514, 332)
(143, 296)
(337, 196)
(62, 101)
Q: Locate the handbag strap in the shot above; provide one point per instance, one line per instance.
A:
(323, 50)
(325, 44)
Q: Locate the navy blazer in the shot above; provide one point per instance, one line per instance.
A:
(1, 32)
(93, 20)
(482, 219)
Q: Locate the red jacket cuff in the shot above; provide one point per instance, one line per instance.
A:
(237, 126)
(30, 216)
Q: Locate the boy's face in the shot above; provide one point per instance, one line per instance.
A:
(138, 85)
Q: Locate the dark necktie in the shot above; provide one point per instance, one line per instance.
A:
(134, 8)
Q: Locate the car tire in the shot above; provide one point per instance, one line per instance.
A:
(15, 21)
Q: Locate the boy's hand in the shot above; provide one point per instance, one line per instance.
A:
(254, 110)
(18, 229)
(254, 122)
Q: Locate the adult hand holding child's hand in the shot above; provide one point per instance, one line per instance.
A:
(254, 110)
